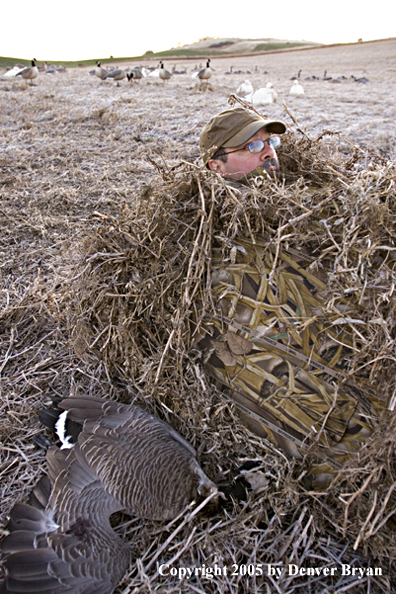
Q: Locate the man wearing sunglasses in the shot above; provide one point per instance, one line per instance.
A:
(267, 342)
(238, 142)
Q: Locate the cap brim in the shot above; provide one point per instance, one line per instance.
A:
(251, 129)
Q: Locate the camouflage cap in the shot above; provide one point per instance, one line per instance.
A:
(231, 128)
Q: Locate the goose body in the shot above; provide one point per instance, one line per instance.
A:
(135, 74)
(163, 73)
(29, 73)
(296, 89)
(263, 96)
(245, 88)
(205, 73)
(124, 459)
(100, 72)
(116, 75)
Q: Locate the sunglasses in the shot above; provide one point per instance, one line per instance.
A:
(256, 146)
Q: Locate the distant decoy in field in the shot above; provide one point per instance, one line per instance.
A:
(205, 73)
(30, 72)
(135, 74)
(164, 74)
(296, 77)
(363, 79)
(116, 74)
(100, 72)
(296, 89)
(43, 67)
(13, 71)
(263, 96)
(62, 541)
(245, 88)
(175, 71)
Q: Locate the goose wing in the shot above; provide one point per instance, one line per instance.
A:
(142, 462)
(62, 542)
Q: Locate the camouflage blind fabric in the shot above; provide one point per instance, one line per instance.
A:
(275, 344)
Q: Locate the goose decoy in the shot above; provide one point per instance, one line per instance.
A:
(296, 89)
(296, 77)
(263, 96)
(270, 87)
(13, 71)
(164, 74)
(124, 459)
(100, 72)
(135, 74)
(30, 72)
(116, 74)
(245, 88)
(43, 67)
(205, 73)
(175, 71)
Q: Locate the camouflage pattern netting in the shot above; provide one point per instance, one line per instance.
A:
(278, 347)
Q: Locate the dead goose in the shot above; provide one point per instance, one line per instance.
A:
(100, 72)
(164, 74)
(124, 459)
(30, 72)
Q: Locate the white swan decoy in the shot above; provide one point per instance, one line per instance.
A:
(245, 88)
(263, 96)
(296, 89)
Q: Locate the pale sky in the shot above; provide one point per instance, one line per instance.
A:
(80, 30)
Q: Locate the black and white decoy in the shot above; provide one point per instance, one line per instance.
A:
(100, 72)
(164, 74)
(30, 72)
(135, 74)
(205, 73)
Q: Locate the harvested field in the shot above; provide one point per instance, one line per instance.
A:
(101, 199)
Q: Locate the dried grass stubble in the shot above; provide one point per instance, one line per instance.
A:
(146, 289)
(141, 288)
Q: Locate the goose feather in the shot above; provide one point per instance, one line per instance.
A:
(124, 459)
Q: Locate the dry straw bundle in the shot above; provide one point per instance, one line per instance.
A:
(127, 314)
